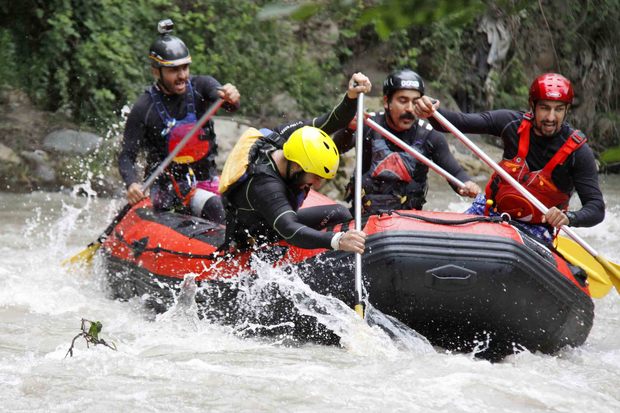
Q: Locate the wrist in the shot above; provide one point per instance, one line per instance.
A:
(571, 217)
(335, 242)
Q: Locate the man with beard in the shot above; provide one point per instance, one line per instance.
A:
(161, 118)
(269, 173)
(392, 178)
(542, 152)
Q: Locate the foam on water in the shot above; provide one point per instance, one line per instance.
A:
(177, 362)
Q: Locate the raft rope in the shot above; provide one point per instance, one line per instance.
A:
(495, 219)
(139, 249)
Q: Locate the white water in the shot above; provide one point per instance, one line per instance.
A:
(179, 363)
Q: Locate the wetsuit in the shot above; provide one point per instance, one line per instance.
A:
(265, 208)
(392, 178)
(578, 173)
(143, 132)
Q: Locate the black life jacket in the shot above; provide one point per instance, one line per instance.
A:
(388, 184)
(257, 154)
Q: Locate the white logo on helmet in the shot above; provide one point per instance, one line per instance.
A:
(409, 83)
(554, 94)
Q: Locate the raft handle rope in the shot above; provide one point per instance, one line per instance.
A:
(138, 249)
(496, 219)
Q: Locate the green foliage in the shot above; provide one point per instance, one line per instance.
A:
(88, 59)
(611, 156)
(390, 15)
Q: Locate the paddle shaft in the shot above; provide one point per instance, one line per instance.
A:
(163, 165)
(413, 152)
(359, 142)
(506, 176)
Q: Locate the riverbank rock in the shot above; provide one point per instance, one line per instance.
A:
(43, 150)
(8, 155)
(70, 141)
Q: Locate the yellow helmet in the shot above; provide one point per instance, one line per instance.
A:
(314, 151)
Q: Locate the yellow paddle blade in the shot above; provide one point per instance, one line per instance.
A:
(83, 257)
(599, 281)
(359, 309)
(613, 270)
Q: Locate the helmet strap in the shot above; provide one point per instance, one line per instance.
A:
(388, 116)
(288, 170)
(160, 82)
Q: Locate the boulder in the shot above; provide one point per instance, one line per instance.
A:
(41, 165)
(72, 141)
(7, 155)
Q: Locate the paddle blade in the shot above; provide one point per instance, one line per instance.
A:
(84, 257)
(599, 281)
(613, 270)
(359, 309)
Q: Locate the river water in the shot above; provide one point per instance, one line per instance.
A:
(179, 363)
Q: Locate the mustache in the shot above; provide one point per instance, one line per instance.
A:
(407, 115)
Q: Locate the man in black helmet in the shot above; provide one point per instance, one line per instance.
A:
(393, 179)
(160, 119)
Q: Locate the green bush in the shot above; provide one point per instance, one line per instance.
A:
(88, 59)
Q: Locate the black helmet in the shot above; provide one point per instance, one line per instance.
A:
(168, 50)
(402, 79)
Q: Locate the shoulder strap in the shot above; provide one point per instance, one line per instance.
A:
(524, 136)
(575, 141)
(189, 98)
(161, 108)
(424, 129)
(159, 104)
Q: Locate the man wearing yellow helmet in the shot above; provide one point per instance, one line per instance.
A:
(278, 169)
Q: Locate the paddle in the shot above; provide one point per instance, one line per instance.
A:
(600, 284)
(359, 142)
(86, 255)
(413, 152)
(612, 270)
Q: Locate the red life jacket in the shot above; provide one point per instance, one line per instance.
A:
(198, 146)
(507, 199)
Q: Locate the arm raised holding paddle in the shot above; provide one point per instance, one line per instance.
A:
(394, 175)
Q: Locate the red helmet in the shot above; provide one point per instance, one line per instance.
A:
(551, 86)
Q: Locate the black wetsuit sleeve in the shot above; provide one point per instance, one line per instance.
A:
(268, 195)
(585, 179)
(207, 88)
(337, 118)
(344, 139)
(491, 122)
(133, 136)
(442, 156)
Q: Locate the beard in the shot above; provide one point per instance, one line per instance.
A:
(170, 87)
(547, 129)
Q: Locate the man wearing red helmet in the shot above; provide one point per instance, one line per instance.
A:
(542, 152)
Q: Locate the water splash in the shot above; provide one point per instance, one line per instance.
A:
(184, 310)
(268, 290)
